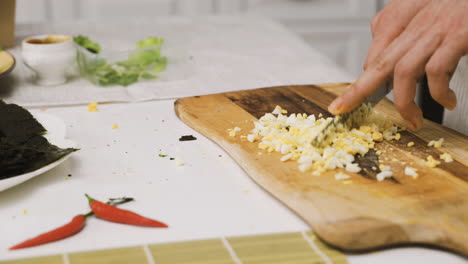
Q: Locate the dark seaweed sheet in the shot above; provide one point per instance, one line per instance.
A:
(22, 146)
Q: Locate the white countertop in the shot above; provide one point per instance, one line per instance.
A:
(209, 197)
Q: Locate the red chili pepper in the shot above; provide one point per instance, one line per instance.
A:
(114, 214)
(69, 229)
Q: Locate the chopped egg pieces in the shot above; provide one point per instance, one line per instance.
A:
(341, 176)
(292, 135)
(446, 157)
(431, 162)
(411, 172)
(93, 107)
(436, 143)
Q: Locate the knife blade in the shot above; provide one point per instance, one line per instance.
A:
(353, 118)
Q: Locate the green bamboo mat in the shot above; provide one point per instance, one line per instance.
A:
(286, 248)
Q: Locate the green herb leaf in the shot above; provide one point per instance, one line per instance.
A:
(140, 65)
(149, 42)
(162, 155)
(86, 43)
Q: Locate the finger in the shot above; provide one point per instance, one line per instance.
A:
(376, 74)
(406, 75)
(440, 69)
(389, 23)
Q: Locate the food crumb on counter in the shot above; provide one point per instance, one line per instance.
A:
(179, 162)
(115, 126)
(246, 191)
(187, 138)
(410, 144)
(25, 211)
(93, 107)
(446, 157)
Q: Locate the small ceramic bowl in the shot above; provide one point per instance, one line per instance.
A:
(49, 57)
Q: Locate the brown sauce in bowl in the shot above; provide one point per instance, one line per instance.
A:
(49, 40)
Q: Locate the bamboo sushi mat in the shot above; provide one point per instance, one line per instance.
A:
(286, 248)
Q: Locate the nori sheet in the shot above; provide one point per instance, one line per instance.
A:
(23, 148)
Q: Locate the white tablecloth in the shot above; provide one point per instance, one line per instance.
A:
(206, 55)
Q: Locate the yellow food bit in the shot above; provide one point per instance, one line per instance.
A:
(436, 143)
(115, 126)
(291, 136)
(365, 129)
(246, 191)
(446, 157)
(347, 182)
(410, 144)
(397, 136)
(431, 162)
(232, 133)
(377, 136)
(92, 107)
(413, 172)
(25, 211)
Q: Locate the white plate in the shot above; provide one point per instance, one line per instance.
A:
(56, 135)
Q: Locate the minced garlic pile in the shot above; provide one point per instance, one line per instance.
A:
(293, 135)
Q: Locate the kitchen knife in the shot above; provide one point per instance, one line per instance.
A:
(353, 118)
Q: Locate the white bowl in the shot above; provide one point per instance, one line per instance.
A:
(51, 61)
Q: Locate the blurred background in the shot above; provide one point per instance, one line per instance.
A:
(338, 28)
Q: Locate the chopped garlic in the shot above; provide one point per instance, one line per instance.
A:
(236, 129)
(411, 172)
(410, 144)
(446, 157)
(232, 133)
(431, 162)
(341, 176)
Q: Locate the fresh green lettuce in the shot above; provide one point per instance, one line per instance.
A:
(142, 64)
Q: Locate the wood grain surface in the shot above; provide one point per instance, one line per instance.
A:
(363, 214)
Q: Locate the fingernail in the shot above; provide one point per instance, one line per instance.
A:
(334, 107)
(452, 99)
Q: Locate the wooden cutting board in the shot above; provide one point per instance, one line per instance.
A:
(361, 213)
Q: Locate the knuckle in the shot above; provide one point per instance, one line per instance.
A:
(381, 64)
(402, 70)
(434, 68)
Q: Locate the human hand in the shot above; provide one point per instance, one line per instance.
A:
(411, 38)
